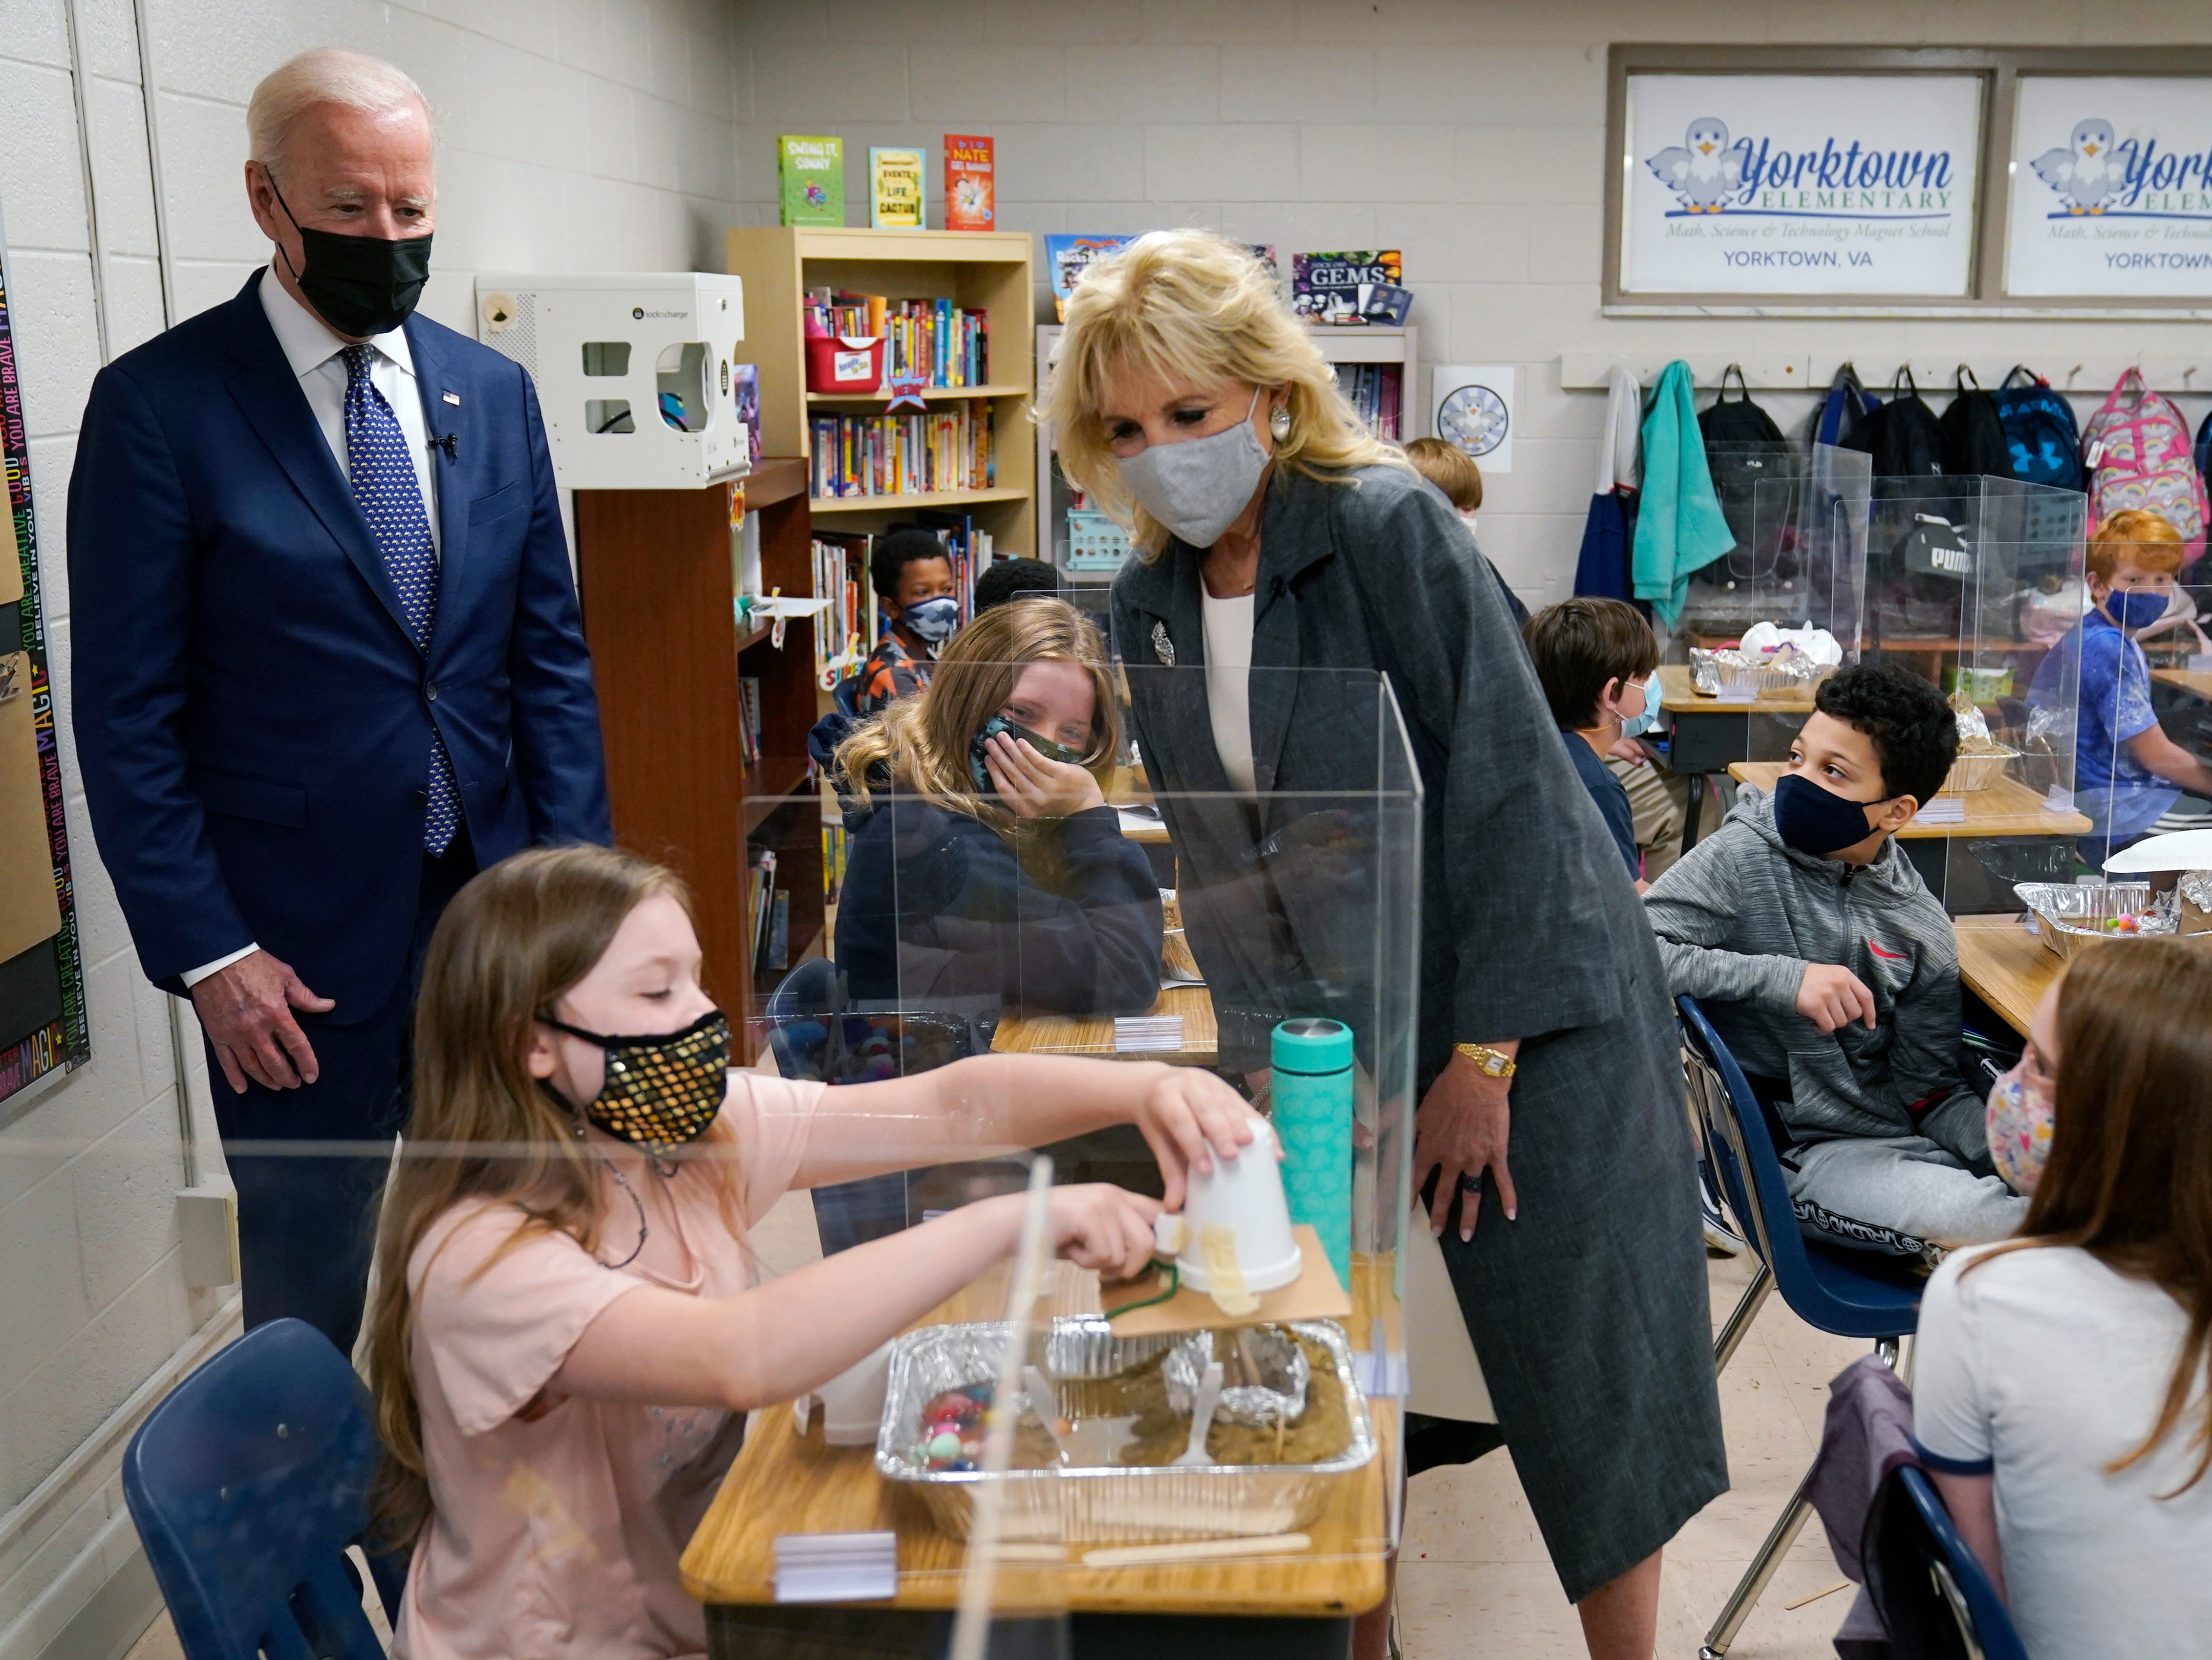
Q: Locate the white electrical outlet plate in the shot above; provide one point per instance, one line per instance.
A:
(207, 1218)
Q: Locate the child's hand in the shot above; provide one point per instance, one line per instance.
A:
(1831, 997)
(1188, 1118)
(1098, 1226)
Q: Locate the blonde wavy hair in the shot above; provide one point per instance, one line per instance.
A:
(921, 743)
(1187, 305)
(512, 943)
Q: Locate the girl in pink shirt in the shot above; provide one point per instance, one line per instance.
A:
(567, 1332)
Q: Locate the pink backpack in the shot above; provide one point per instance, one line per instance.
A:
(2137, 447)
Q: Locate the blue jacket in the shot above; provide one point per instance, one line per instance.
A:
(936, 905)
(253, 720)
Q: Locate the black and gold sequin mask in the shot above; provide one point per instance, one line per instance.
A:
(661, 1092)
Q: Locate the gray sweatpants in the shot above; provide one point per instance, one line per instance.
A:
(1899, 1194)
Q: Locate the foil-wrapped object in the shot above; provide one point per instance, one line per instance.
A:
(1277, 1396)
(1732, 670)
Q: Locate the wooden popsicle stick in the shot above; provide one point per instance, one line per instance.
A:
(1196, 1550)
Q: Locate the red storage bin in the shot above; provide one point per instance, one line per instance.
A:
(844, 363)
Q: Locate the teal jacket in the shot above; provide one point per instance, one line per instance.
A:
(1679, 526)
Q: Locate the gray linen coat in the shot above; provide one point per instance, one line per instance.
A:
(1590, 1312)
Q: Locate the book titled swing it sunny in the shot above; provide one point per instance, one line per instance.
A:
(812, 173)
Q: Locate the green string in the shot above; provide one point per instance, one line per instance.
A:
(1175, 1283)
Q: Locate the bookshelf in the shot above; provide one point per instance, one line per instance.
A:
(657, 572)
(1341, 346)
(979, 270)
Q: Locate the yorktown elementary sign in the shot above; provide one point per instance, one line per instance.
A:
(1757, 185)
(2111, 187)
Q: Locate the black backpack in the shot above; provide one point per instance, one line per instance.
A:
(1742, 448)
(1974, 437)
(2039, 430)
(1908, 439)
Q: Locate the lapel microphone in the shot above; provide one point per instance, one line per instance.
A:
(449, 442)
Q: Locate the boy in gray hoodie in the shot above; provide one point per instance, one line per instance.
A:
(1833, 973)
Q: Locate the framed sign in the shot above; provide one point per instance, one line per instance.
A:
(1750, 186)
(2111, 187)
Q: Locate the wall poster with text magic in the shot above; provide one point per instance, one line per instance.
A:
(1805, 186)
(2111, 187)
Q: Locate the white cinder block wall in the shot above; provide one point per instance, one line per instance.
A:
(581, 135)
(1466, 133)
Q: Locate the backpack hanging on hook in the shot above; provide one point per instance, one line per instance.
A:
(2040, 431)
(1743, 447)
(1908, 439)
(1973, 436)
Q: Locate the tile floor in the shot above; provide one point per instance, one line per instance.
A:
(1474, 1578)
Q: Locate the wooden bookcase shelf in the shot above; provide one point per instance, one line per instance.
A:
(658, 574)
(979, 270)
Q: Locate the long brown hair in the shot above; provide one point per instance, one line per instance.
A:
(922, 742)
(2129, 1174)
(513, 942)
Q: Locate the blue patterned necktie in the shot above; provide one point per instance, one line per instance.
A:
(384, 483)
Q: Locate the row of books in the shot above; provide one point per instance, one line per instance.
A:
(949, 449)
(810, 170)
(1374, 391)
(933, 340)
(1355, 286)
(833, 862)
(769, 907)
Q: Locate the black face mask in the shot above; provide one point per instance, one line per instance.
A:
(1818, 821)
(361, 285)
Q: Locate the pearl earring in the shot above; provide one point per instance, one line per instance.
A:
(1280, 424)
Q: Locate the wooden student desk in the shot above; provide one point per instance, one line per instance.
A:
(2008, 807)
(2197, 683)
(2005, 966)
(1085, 1034)
(1706, 735)
(784, 1483)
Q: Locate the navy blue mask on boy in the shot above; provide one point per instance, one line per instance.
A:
(2137, 608)
(999, 723)
(1817, 821)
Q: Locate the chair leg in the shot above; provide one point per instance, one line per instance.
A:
(1738, 1326)
(1753, 1585)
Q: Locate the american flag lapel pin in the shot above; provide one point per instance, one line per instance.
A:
(455, 399)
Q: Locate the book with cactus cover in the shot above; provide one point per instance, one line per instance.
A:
(895, 193)
(813, 172)
(970, 192)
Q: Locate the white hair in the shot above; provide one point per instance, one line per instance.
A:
(325, 74)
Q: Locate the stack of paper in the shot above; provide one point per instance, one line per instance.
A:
(1943, 810)
(1147, 1032)
(835, 1567)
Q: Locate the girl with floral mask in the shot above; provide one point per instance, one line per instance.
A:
(2020, 1101)
(566, 1298)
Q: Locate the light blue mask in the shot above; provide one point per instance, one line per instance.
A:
(1637, 726)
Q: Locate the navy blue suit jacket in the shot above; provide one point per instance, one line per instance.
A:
(252, 718)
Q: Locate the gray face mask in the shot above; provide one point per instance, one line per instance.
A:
(1198, 487)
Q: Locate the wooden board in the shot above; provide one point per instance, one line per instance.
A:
(1314, 1295)
(2004, 966)
(2196, 681)
(1073, 1034)
(1683, 697)
(784, 1483)
(2008, 807)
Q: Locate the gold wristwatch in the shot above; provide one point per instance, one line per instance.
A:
(1491, 1063)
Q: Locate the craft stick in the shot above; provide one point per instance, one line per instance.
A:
(1196, 1550)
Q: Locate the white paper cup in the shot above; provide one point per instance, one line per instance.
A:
(1245, 1194)
(853, 1400)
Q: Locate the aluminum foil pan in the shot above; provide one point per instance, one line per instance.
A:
(2070, 916)
(1752, 673)
(1107, 1505)
(1089, 1346)
(1279, 1395)
(2196, 888)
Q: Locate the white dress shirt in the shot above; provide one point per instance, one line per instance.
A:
(1229, 683)
(313, 353)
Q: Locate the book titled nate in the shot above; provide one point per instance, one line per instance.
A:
(969, 186)
(812, 173)
(895, 197)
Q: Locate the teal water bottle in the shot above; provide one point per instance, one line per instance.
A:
(1312, 1115)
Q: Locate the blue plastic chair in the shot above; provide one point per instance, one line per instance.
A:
(1851, 1293)
(1984, 1622)
(799, 1013)
(248, 1484)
